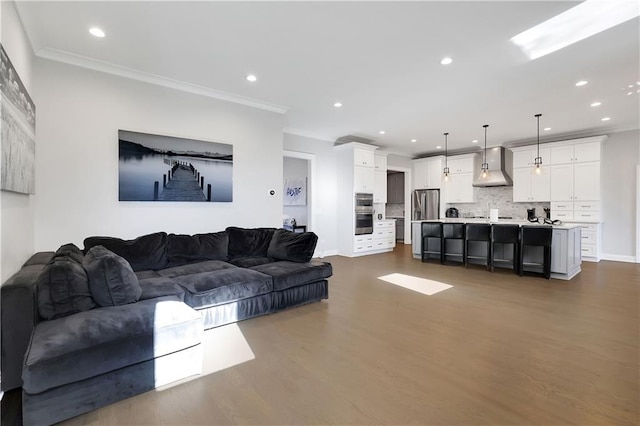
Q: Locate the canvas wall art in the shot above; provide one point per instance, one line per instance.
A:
(295, 192)
(17, 131)
(165, 168)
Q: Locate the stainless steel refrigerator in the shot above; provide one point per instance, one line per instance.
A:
(426, 204)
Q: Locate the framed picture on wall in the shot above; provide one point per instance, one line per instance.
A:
(165, 168)
(295, 192)
(17, 131)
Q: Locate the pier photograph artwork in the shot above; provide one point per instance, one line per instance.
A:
(165, 168)
(17, 131)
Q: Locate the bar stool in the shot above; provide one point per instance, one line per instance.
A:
(453, 231)
(505, 234)
(536, 236)
(478, 232)
(431, 240)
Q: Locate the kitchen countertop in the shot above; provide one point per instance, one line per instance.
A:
(500, 221)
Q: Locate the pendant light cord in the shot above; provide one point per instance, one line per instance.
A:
(538, 117)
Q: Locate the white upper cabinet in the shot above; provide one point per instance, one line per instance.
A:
(420, 174)
(528, 186)
(379, 186)
(460, 165)
(578, 153)
(380, 162)
(434, 173)
(526, 157)
(363, 179)
(562, 182)
(364, 157)
(459, 189)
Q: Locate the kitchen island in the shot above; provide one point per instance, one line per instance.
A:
(565, 244)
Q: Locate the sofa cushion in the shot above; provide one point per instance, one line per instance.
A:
(112, 282)
(249, 261)
(195, 268)
(101, 340)
(40, 258)
(63, 289)
(149, 273)
(70, 250)
(223, 286)
(159, 287)
(295, 247)
(183, 249)
(145, 252)
(249, 242)
(287, 274)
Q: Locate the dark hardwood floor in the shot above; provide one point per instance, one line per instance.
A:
(494, 349)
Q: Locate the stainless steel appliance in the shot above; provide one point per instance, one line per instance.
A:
(363, 213)
(426, 204)
(500, 161)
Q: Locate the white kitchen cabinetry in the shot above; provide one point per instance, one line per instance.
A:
(573, 168)
(459, 187)
(528, 186)
(566, 253)
(356, 172)
(526, 156)
(364, 179)
(380, 179)
(578, 153)
(384, 234)
(363, 157)
(427, 173)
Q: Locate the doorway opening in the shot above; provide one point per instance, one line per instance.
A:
(297, 211)
(398, 205)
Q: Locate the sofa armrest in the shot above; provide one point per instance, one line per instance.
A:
(19, 316)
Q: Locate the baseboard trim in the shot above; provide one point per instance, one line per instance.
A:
(619, 258)
(327, 253)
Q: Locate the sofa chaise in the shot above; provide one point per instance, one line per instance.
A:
(85, 328)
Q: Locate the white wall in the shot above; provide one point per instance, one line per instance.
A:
(324, 211)
(296, 168)
(620, 156)
(80, 112)
(16, 210)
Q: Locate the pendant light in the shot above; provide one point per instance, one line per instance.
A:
(485, 166)
(538, 161)
(446, 167)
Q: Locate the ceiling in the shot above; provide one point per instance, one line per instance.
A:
(380, 59)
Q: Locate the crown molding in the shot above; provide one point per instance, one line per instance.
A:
(132, 74)
(305, 134)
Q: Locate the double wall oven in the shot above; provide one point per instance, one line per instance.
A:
(364, 213)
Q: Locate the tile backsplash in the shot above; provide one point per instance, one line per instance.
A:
(501, 198)
(394, 210)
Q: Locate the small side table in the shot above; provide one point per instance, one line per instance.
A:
(300, 228)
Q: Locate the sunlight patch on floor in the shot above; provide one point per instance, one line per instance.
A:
(224, 347)
(420, 285)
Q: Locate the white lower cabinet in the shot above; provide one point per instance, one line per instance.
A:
(381, 240)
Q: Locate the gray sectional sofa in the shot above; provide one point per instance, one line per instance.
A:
(85, 328)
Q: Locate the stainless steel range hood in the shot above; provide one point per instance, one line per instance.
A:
(500, 162)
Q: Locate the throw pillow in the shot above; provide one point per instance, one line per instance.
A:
(295, 247)
(70, 250)
(145, 252)
(63, 289)
(112, 282)
(183, 249)
(249, 242)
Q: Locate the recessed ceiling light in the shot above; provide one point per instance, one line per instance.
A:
(251, 77)
(630, 86)
(606, 119)
(595, 104)
(446, 61)
(438, 147)
(382, 132)
(629, 93)
(337, 104)
(414, 140)
(581, 83)
(474, 141)
(584, 20)
(546, 129)
(97, 32)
